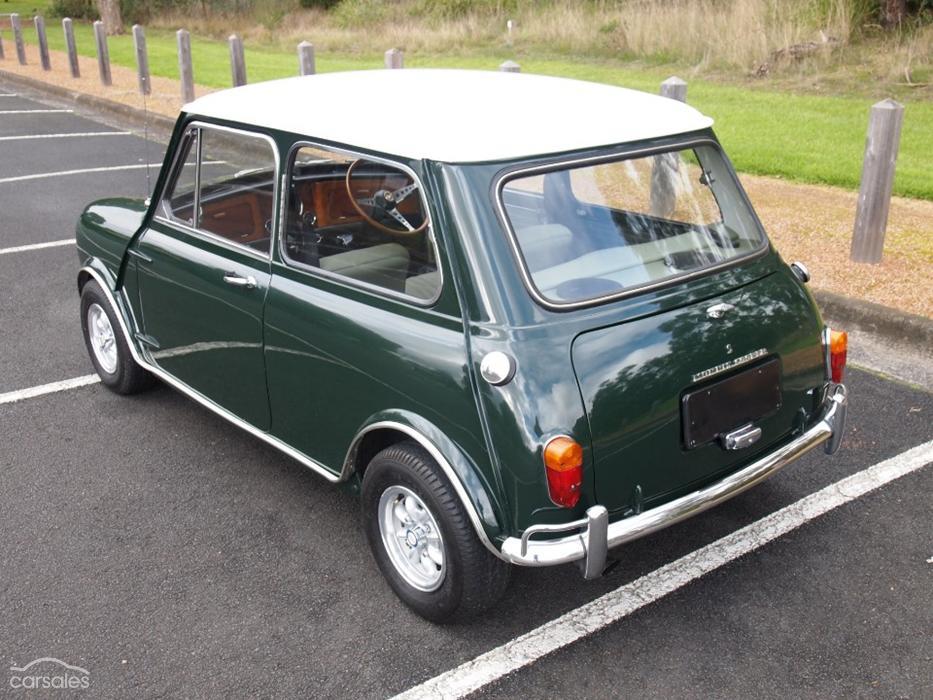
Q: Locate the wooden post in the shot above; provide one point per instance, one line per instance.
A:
(666, 167)
(142, 60)
(306, 58)
(71, 47)
(510, 67)
(2, 54)
(103, 53)
(674, 88)
(18, 38)
(395, 59)
(111, 15)
(44, 59)
(185, 70)
(874, 195)
(237, 61)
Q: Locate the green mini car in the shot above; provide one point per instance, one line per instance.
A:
(529, 320)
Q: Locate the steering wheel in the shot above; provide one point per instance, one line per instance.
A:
(384, 203)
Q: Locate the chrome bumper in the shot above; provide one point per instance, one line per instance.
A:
(594, 535)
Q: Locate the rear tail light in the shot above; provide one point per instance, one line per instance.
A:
(837, 345)
(563, 462)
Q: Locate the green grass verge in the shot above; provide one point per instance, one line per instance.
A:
(807, 138)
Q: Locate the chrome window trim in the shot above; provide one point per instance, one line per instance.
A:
(281, 445)
(504, 177)
(209, 235)
(214, 239)
(174, 170)
(341, 279)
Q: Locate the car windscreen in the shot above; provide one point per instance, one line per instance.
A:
(598, 229)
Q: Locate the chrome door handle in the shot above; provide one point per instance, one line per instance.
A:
(236, 280)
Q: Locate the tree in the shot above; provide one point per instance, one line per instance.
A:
(111, 16)
(893, 12)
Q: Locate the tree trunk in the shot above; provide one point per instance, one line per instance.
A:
(111, 16)
(893, 12)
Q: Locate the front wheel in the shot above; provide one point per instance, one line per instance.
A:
(107, 347)
(422, 538)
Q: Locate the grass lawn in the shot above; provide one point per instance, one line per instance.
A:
(808, 138)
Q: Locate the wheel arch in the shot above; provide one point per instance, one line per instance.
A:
(392, 427)
(95, 269)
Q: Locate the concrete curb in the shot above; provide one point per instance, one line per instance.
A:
(858, 314)
(850, 313)
(114, 110)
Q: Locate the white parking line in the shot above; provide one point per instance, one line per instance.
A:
(614, 606)
(36, 111)
(61, 173)
(36, 246)
(32, 392)
(8, 94)
(85, 134)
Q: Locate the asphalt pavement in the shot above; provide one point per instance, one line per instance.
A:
(171, 555)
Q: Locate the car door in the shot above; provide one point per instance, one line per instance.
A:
(203, 268)
(357, 320)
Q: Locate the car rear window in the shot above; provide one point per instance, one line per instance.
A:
(588, 231)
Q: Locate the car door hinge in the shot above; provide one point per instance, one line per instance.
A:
(140, 255)
(147, 340)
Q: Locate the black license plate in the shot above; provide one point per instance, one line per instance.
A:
(730, 403)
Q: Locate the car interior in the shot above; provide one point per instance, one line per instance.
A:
(346, 227)
(349, 217)
(597, 230)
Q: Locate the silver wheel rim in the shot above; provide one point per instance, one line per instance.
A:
(103, 340)
(412, 538)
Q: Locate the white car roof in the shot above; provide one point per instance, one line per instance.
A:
(457, 116)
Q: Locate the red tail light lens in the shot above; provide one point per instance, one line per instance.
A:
(563, 461)
(838, 345)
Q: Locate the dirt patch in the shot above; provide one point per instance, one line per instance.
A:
(814, 224)
(809, 223)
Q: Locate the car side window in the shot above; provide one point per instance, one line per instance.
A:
(178, 202)
(225, 187)
(360, 219)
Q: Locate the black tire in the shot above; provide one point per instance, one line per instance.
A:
(127, 377)
(473, 579)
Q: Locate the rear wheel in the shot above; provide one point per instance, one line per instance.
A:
(106, 345)
(422, 538)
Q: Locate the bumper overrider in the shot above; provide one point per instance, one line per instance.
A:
(593, 535)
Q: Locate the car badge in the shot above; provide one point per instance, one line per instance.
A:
(729, 364)
(719, 310)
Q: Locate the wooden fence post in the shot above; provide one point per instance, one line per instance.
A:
(71, 47)
(185, 70)
(394, 59)
(18, 38)
(142, 60)
(874, 195)
(510, 67)
(237, 61)
(44, 59)
(666, 166)
(674, 88)
(103, 53)
(306, 58)
(2, 54)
